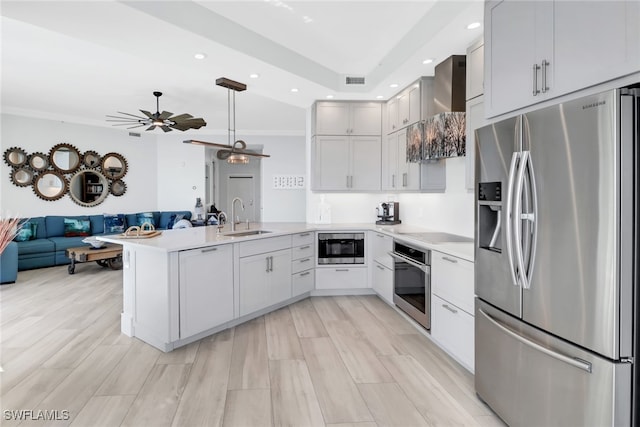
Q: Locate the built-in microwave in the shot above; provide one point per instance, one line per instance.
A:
(340, 248)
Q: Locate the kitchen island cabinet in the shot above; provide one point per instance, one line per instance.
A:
(265, 278)
(206, 289)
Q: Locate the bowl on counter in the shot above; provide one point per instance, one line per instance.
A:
(94, 242)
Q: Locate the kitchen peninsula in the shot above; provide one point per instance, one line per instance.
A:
(190, 283)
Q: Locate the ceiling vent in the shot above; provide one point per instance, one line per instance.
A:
(136, 134)
(354, 80)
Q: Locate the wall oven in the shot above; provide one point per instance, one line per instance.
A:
(340, 248)
(412, 281)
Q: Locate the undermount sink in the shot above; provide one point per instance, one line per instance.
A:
(245, 233)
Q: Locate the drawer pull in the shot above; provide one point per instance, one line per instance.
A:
(380, 235)
(306, 273)
(208, 250)
(302, 248)
(305, 260)
(303, 234)
(446, 306)
(380, 267)
(342, 269)
(455, 261)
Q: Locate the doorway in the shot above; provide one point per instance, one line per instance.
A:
(242, 186)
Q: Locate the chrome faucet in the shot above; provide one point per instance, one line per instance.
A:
(222, 220)
(233, 212)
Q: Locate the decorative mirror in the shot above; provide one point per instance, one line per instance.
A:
(64, 158)
(39, 161)
(50, 185)
(114, 166)
(91, 159)
(88, 187)
(118, 187)
(22, 177)
(15, 157)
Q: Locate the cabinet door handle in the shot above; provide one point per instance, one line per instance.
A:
(393, 181)
(306, 273)
(351, 181)
(545, 64)
(455, 261)
(342, 269)
(536, 67)
(446, 306)
(404, 179)
(304, 234)
(380, 267)
(305, 260)
(302, 248)
(380, 235)
(267, 258)
(270, 263)
(208, 250)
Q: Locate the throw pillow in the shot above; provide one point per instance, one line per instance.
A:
(145, 217)
(26, 232)
(114, 223)
(173, 219)
(76, 227)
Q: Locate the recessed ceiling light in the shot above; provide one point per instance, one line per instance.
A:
(394, 85)
(199, 56)
(254, 76)
(473, 26)
(307, 20)
(379, 97)
(294, 89)
(329, 96)
(427, 61)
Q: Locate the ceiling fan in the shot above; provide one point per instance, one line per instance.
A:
(162, 120)
(235, 152)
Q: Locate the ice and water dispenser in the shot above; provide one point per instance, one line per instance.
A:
(490, 216)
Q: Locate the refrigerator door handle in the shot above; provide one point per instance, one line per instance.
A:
(533, 218)
(509, 214)
(523, 275)
(575, 362)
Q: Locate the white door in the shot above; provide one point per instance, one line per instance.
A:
(242, 186)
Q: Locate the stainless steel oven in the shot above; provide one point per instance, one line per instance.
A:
(340, 248)
(412, 281)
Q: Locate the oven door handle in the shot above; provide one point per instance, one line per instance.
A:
(422, 267)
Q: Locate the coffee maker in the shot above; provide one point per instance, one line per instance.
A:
(388, 213)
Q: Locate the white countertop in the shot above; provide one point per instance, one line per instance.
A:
(197, 237)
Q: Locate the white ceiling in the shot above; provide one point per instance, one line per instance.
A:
(81, 60)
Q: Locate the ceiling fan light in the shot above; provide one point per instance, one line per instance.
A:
(238, 159)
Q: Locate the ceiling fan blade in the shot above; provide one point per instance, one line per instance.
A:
(137, 126)
(152, 127)
(181, 117)
(189, 124)
(164, 115)
(165, 128)
(132, 115)
(124, 122)
(148, 114)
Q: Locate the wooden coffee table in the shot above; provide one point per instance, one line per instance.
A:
(108, 256)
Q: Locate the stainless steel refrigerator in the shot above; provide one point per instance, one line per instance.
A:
(556, 325)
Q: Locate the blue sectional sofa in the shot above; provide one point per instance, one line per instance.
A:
(48, 247)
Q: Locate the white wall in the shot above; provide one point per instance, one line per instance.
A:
(40, 135)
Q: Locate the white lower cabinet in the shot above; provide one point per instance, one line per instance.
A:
(452, 321)
(383, 282)
(341, 277)
(206, 289)
(302, 263)
(453, 329)
(265, 279)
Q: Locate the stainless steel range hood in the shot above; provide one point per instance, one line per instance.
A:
(449, 85)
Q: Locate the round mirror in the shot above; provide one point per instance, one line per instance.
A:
(15, 157)
(91, 159)
(114, 166)
(88, 187)
(118, 187)
(38, 161)
(22, 177)
(64, 158)
(50, 185)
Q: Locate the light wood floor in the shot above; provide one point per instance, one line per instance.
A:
(322, 361)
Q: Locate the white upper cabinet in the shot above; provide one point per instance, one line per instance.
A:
(537, 50)
(348, 118)
(405, 108)
(475, 70)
